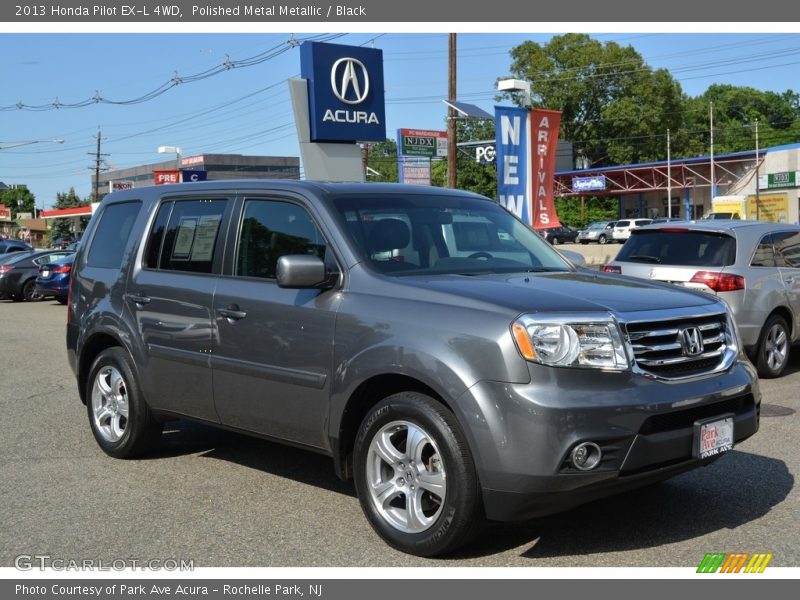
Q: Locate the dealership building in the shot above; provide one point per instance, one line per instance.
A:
(769, 179)
(211, 166)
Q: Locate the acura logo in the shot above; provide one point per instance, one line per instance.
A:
(350, 80)
(691, 341)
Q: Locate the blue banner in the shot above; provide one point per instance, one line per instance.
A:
(512, 141)
(194, 175)
(345, 92)
(589, 184)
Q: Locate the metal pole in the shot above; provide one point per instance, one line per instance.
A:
(711, 118)
(96, 197)
(451, 114)
(758, 197)
(669, 180)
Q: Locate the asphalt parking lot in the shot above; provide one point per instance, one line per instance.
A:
(222, 499)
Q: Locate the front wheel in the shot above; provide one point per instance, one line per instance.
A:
(118, 415)
(773, 348)
(415, 476)
(556, 241)
(602, 239)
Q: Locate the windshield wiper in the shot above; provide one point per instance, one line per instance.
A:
(645, 258)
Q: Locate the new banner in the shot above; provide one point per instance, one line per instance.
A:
(544, 133)
(512, 151)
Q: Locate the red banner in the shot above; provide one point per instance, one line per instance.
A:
(162, 177)
(544, 142)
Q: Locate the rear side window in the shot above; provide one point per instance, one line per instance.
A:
(787, 248)
(764, 256)
(680, 248)
(111, 236)
(190, 238)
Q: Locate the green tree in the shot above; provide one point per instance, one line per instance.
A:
(18, 199)
(595, 208)
(615, 108)
(63, 228)
(382, 158)
(736, 110)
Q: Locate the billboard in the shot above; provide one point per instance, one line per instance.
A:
(345, 92)
(116, 186)
(419, 142)
(166, 177)
(589, 184)
(194, 175)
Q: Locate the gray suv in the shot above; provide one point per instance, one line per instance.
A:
(445, 357)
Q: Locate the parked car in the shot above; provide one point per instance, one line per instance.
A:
(665, 220)
(7, 246)
(375, 324)
(754, 266)
(18, 274)
(623, 227)
(599, 231)
(53, 279)
(558, 235)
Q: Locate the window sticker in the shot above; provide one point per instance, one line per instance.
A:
(185, 238)
(204, 237)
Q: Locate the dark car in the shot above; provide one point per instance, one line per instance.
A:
(18, 274)
(448, 359)
(558, 235)
(7, 246)
(53, 279)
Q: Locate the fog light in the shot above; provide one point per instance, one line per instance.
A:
(586, 456)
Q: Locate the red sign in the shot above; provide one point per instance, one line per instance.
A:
(5, 213)
(544, 141)
(162, 177)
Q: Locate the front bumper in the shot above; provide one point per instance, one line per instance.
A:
(523, 434)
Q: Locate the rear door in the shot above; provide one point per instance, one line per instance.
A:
(170, 297)
(787, 255)
(273, 360)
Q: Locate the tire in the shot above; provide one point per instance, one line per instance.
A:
(118, 415)
(584, 242)
(61, 299)
(556, 241)
(772, 348)
(429, 519)
(602, 239)
(29, 292)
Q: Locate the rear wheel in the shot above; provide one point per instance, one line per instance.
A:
(415, 476)
(119, 417)
(556, 241)
(29, 291)
(773, 348)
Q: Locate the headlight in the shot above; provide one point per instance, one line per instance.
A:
(571, 340)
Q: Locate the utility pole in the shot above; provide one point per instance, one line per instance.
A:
(758, 197)
(711, 120)
(669, 180)
(451, 113)
(98, 159)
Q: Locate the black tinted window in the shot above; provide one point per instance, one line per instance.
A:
(156, 237)
(683, 248)
(787, 248)
(764, 256)
(111, 236)
(192, 235)
(271, 229)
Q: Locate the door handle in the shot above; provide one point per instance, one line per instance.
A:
(138, 299)
(232, 313)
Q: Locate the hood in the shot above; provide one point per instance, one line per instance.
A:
(564, 292)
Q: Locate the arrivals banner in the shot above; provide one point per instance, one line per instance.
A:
(544, 133)
(512, 151)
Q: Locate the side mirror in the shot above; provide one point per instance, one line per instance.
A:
(303, 271)
(574, 257)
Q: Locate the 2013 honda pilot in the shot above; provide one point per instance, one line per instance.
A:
(440, 352)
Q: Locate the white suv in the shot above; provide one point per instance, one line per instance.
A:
(622, 230)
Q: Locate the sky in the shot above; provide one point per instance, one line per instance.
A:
(246, 110)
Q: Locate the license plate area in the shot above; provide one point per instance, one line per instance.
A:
(713, 436)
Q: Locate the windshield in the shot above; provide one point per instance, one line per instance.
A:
(418, 234)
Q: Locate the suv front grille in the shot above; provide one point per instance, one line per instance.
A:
(679, 348)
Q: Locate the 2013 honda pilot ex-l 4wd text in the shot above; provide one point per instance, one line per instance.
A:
(446, 357)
